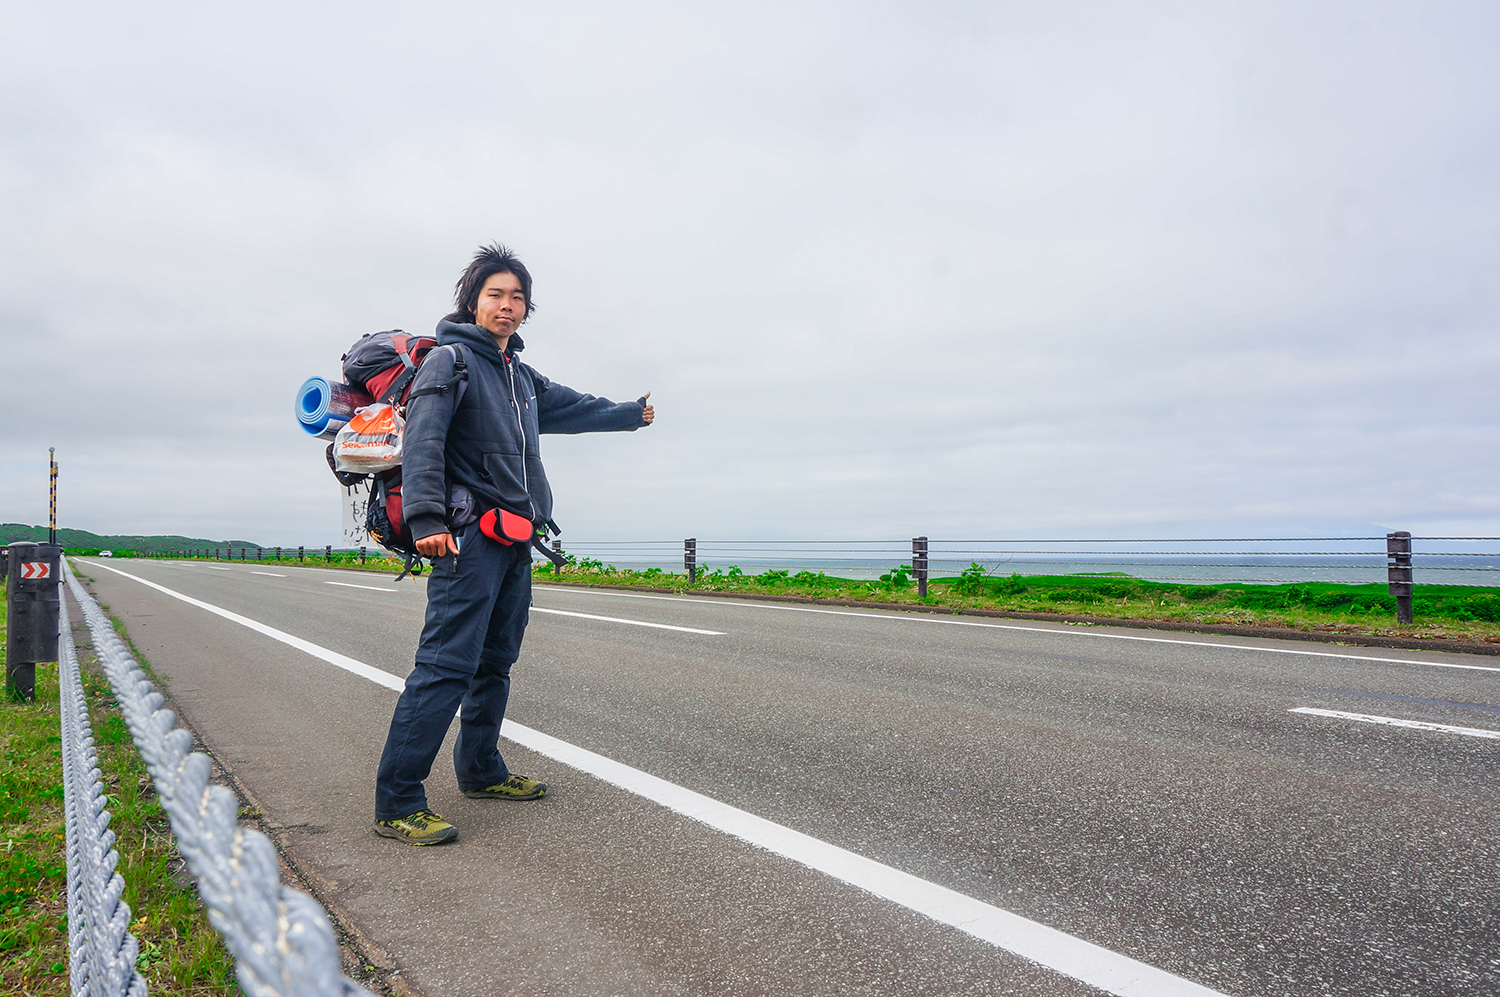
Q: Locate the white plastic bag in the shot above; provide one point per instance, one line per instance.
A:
(371, 441)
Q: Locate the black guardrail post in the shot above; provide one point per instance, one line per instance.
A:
(31, 576)
(361, 555)
(556, 549)
(1398, 572)
(299, 551)
(919, 564)
(690, 558)
(328, 553)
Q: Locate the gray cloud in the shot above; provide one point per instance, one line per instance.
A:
(950, 269)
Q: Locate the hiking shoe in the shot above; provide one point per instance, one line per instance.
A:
(421, 828)
(517, 787)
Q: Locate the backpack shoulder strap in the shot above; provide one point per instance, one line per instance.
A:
(459, 380)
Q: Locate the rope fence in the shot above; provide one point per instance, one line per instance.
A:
(280, 938)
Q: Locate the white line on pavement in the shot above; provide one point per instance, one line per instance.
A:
(1398, 722)
(1074, 957)
(1071, 632)
(351, 585)
(212, 567)
(268, 574)
(635, 623)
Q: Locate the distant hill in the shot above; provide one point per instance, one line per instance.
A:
(11, 532)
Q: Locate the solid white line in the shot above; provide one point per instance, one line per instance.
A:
(268, 574)
(1397, 722)
(1071, 632)
(332, 657)
(1074, 957)
(634, 623)
(351, 585)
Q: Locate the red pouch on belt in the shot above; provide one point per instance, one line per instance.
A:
(506, 527)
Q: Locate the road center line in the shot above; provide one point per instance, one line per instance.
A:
(215, 567)
(1074, 957)
(351, 585)
(1071, 632)
(268, 574)
(634, 623)
(1398, 722)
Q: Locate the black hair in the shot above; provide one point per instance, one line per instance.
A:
(488, 261)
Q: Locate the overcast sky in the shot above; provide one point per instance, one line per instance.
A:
(970, 270)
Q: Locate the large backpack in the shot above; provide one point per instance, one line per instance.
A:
(383, 365)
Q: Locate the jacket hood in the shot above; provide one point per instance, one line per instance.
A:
(475, 338)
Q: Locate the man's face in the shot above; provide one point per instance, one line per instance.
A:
(501, 306)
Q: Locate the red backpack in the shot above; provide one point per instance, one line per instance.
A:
(383, 365)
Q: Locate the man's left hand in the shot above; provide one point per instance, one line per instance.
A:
(648, 416)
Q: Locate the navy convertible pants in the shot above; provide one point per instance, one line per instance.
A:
(477, 607)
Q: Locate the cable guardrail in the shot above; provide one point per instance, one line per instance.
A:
(101, 950)
(1184, 560)
(282, 941)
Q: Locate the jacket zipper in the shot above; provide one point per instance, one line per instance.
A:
(510, 372)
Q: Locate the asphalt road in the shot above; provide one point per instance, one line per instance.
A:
(1157, 798)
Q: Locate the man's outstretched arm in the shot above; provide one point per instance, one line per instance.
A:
(560, 409)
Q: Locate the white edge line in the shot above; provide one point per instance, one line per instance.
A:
(1056, 950)
(1074, 632)
(351, 585)
(616, 619)
(332, 657)
(1398, 722)
(268, 574)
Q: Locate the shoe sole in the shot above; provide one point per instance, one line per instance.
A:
(480, 794)
(391, 832)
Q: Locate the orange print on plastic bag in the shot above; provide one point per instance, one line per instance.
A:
(371, 441)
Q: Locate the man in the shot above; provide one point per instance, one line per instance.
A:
(480, 588)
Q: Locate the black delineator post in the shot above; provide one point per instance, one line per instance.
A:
(31, 598)
(299, 552)
(556, 549)
(690, 558)
(1398, 572)
(328, 553)
(919, 564)
(278, 553)
(361, 555)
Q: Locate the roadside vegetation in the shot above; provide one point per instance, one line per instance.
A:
(1453, 612)
(180, 952)
(1439, 611)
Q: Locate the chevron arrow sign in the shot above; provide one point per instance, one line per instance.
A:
(36, 569)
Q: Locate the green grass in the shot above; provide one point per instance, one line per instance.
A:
(180, 952)
(1440, 611)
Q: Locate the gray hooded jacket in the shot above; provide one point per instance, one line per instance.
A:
(489, 444)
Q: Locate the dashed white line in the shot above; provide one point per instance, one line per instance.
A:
(634, 623)
(1368, 718)
(268, 574)
(211, 567)
(1072, 632)
(1092, 964)
(351, 585)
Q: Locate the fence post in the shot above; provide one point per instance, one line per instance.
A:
(690, 558)
(1398, 572)
(919, 564)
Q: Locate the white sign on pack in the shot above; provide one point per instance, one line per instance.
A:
(356, 502)
(36, 569)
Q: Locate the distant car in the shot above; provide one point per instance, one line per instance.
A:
(106, 553)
